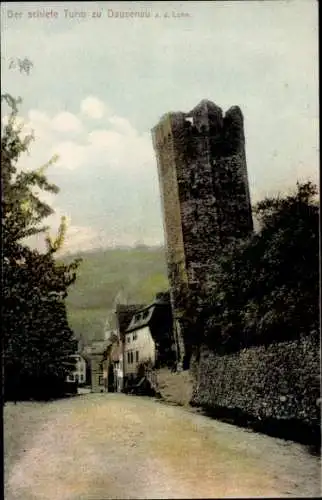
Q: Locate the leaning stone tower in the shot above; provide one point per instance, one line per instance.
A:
(204, 192)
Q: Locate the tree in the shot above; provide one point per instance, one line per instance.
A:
(38, 342)
(266, 287)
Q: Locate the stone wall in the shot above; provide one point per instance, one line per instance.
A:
(264, 386)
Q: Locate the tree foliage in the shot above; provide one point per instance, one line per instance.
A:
(267, 287)
(38, 342)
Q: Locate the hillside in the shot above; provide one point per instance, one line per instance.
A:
(137, 273)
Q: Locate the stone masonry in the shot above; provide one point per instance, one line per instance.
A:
(204, 191)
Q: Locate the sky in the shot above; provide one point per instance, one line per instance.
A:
(100, 82)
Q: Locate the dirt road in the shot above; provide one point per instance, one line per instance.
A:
(96, 447)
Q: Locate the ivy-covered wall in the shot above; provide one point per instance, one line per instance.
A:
(277, 386)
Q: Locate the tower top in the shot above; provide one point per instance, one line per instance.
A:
(205, 105)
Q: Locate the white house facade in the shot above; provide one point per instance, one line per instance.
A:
(79, 373)
(139, 347)
(118, 374)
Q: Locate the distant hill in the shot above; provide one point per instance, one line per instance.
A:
(134, 273)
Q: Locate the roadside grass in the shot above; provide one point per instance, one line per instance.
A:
(175, 388)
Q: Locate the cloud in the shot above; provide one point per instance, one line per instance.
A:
(127, 152)
(39, 122)
(77, 237)
(122, 125)
(66, 122)
(80, 238)
(106, 175)
(117, 143)
(71, 155)
(93, 107)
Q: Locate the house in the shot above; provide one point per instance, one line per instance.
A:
(95, 353)
(149, 338)
(114, 353)
(117, 363)
(85, 354)
(113, 365)
(78, 375)
(124, 314)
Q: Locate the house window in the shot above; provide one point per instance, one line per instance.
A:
(137, 356)
(71, 378)
(128, 339)
(135, 336)
(130, 357)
